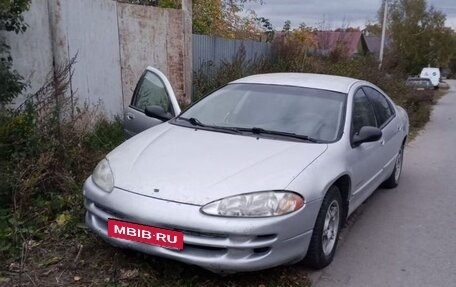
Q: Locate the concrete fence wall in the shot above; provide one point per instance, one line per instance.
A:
(88, 28)
(114, 41)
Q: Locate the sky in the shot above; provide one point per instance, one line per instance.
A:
(331, 14)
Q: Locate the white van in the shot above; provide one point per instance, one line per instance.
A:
(432, 74)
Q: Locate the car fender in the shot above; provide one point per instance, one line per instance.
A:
(318, 177)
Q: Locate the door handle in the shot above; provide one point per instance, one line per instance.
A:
(382, 141)
(130, 116)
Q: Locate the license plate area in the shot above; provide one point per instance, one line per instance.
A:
(145, 234)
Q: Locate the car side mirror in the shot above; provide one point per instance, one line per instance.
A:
(158, 112)
(367, 134)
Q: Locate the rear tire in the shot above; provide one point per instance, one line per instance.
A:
(395, 176)
(325, 235)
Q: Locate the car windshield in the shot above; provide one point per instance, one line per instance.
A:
(314, 113)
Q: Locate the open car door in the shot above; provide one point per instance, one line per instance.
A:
(153, 89)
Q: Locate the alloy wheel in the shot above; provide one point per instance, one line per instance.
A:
(398, 169)
(331, 227)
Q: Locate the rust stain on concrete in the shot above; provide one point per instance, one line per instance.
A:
(151, 36)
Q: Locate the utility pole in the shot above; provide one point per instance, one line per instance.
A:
(382, 44)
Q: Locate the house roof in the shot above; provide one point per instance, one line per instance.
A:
(329, 40)
(374, 42)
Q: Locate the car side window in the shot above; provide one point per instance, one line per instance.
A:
(151, 91)
(382, 107)
(363, 113)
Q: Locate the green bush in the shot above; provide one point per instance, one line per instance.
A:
(11, 20)
(48, 147)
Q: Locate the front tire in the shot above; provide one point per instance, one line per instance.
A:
(326, 231)
(394, 178)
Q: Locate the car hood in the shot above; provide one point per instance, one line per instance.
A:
(196, 166)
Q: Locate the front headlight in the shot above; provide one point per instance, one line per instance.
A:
(257, 204)
(102, 176)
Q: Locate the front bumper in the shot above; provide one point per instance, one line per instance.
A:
(215, 243)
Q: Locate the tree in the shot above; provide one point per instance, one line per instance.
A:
(452, 67)
(207, 17)
(267, 28)
(419, 36)
(295, 44)
(303, 36)
(348, 29)
(286, 26)
(373, 29)
(11, 20)
(225, 18)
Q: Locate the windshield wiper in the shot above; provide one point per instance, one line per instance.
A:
(259, 131)
(196, 122)
(193, 121)
(254, 130)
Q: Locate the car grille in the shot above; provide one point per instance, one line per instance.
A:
(197, 242)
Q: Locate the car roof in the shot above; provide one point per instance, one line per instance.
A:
(316, 81)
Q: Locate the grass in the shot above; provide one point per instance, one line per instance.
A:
(423, 115)
(82, 259)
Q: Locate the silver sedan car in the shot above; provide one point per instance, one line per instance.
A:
(262, 172)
